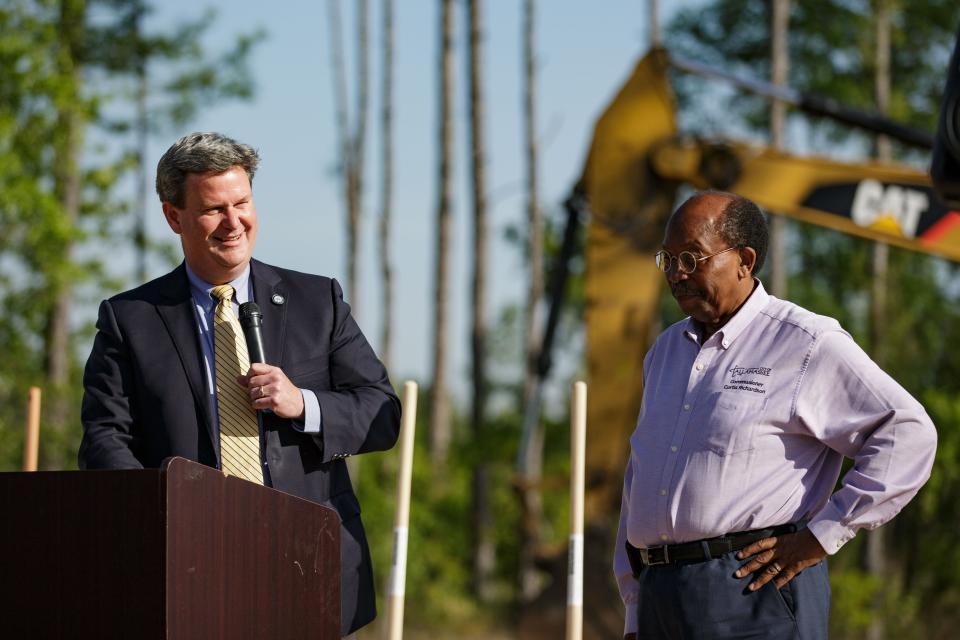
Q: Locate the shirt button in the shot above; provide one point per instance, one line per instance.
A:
(663, 536)
(673, 449)
(663, 492)
(725, 344)
(686, 407)
(699, 366)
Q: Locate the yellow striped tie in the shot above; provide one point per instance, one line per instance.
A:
(239, 431)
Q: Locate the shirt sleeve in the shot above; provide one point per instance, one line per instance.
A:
(621, 564)
(312, 417)
(851, 405)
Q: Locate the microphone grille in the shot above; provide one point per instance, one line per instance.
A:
(249, 310)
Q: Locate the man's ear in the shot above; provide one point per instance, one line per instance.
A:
(748, 260)
(172, 214)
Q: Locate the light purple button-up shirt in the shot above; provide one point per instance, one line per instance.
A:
(748, 431)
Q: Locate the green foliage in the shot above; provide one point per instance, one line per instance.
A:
(180, 76)
(68, 74)
(831, 54)
(40, 117)
(853, 592)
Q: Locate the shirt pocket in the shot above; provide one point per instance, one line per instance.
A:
(732, 422)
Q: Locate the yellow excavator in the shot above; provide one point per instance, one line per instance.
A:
(639, 159)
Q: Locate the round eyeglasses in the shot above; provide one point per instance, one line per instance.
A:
(686, 261)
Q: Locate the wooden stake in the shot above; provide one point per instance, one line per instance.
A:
(578, 445)
(31, 441)
(398, 572)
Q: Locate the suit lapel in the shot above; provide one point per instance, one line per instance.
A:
(177, 313)
(271, 296)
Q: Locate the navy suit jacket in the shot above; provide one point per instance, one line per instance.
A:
(146, 399)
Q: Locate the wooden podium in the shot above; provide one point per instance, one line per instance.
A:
(177, 552)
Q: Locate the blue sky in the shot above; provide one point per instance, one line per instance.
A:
(585, 51)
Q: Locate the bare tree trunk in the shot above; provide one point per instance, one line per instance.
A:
(655, 40)
(351, 142)
(355, 199)
(386, 197)
(68, 189)
(67, 185)
(876, 543)
(440, 426)
(143, 181)
(529, 482)
(780, 66)
(58, 318)
(338, 76)
(884, 153)
(882, 73)
(351, 145)
(484, 551)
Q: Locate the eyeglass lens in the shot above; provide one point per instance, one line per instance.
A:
(687, 261)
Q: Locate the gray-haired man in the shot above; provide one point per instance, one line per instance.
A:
(151, 388)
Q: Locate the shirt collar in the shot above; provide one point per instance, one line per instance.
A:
(200, 288)
(755, 303)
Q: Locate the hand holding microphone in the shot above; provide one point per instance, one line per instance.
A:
(268, 386)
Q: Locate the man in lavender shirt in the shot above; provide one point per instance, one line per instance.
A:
(750, 405)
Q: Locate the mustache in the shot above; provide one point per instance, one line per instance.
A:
(681, 289)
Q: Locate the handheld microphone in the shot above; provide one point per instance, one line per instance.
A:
(251, 320)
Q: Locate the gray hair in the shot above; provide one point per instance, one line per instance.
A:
(744, 225)
(201, 153)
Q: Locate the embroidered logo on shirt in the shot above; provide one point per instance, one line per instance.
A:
(743, 379)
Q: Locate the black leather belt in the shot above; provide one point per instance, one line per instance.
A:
(700, 550)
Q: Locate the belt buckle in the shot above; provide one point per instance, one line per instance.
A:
(645, 556)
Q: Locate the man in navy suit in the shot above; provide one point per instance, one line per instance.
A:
(149, 384)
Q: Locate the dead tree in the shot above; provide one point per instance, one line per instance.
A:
(68, 188)
(780, 65)
(352, 141)
(386, 185)
(531, 462)
(876, 543)
(484, 551)
(440, 423)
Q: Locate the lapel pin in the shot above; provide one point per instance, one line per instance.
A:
(278, 299)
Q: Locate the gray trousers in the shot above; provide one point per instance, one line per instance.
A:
(704, 601)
